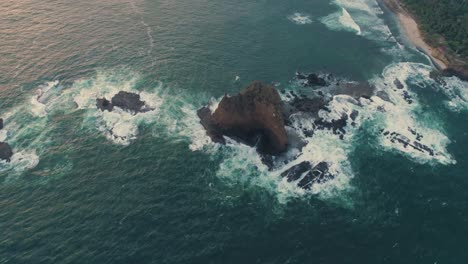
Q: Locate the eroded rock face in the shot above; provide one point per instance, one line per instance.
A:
(254, 117)
(5, 151)
(124, 100)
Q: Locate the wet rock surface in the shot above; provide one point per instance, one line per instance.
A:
(5, 151)
(397, 138)
(1, 123)
(124, 100)
(305, 175)
(104, 104)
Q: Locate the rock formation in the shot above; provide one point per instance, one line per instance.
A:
(311, 79)
(305, 174)
(254, 117)
(5, 151)
(104, 104)
(1, 123)
(124, 100)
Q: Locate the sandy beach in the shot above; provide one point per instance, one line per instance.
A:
(413, 33)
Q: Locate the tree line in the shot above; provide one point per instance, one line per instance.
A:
(446, 18)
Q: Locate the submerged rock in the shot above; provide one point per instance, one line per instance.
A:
(314, 79)
(5, 151)
(254, 117)
(124, 100)
(1, 123)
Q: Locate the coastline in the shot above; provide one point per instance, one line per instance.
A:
(444, 61)
(411, 30)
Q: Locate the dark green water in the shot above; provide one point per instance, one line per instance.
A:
(73, 194)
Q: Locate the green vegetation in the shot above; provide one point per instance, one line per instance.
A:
(446, 18)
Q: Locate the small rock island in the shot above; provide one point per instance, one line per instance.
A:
(127, 101)
(253, 117)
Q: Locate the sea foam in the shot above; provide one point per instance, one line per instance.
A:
(300, 19)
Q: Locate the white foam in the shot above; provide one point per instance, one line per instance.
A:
(361, 17)
(19, 162)
(457, 92)
(341, 21)
(119, 126)
(349, 22)
(44, 93)
(300, 19)
(399, 116)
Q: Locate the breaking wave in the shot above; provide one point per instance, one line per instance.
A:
(361, 17)
(341, 21)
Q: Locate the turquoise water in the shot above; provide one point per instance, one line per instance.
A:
(163, 193)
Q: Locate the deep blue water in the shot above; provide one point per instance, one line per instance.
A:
(165, 194)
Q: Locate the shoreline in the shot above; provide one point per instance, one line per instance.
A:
(411, 30)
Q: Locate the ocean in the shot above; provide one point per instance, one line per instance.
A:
(86, 186)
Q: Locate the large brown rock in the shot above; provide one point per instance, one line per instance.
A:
(254, 116)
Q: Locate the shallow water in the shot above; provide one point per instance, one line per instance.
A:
(157, 190)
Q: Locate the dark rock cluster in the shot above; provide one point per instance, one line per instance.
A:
(5, 151)
(311, 79)
(125, 100)
(305, 175)
(416, 144)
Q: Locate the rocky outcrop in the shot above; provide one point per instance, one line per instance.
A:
(311, 79)
(254, 117)
(104, 104)
(5, 151)
(458, 71)
(125, 100)
(258, 117)
(305, 175)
